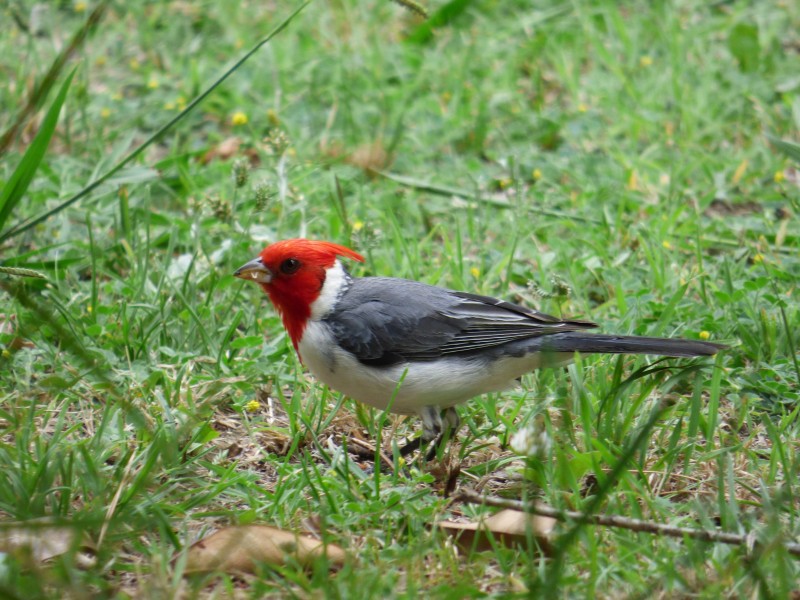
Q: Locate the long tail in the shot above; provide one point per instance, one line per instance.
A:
(578, 341)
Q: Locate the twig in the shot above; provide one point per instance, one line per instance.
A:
(371, 450)
(124, 480)
(414, 7)
(501, 202)
(638, 525)
(495, 200)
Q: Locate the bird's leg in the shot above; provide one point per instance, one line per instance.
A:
(431, 423)
(448, 416)
(453, 420)
(431, 430)
(410, 447)
(436, 425)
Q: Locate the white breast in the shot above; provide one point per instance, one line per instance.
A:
(410, 387)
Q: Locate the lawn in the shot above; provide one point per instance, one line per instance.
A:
(616, 161)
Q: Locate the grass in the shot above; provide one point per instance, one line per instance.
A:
(614, 152)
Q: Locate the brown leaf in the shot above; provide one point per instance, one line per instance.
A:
(8, 326)
(41, 542)
(222, 151)
(239, 549)
(720, 207)
(508, 527)
(370, 157)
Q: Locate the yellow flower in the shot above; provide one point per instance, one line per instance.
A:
(80, 6)
(646, 61)
(475, 272)
(169, 106)
(739, 172)
(633, 181)
(239, 118)
(105, 112)
(666, 245)
(758, 258)
(89, 309)
(152, 83)
(537, 174)
(582, 107)
(704, 335)
(252, 406)
(779, 176)
(134, 64)
(358, 226)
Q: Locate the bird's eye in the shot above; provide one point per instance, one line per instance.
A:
(289, 266)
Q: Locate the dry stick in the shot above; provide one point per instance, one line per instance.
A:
(544, 510)
(371, 449)
(124, 480)
(501, 202)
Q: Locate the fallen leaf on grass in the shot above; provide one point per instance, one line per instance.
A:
(241, 549)
(508, 527)
(8, 327)
(371, 157)
(222, 151)
(42, 542)
(722, 208)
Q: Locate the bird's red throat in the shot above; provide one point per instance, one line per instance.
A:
(293, 303)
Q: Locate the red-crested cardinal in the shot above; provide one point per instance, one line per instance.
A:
(415, 348)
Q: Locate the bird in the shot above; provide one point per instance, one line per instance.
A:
(417, 349)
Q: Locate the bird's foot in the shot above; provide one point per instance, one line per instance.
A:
(438, 427)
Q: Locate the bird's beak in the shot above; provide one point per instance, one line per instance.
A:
(254, 271)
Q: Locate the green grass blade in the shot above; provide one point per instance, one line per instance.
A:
(785, 147)
(22, 176)
(42, 90)
(30, 223)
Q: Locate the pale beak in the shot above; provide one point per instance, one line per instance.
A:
(254, 271)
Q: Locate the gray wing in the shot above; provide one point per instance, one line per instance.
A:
(385, 321)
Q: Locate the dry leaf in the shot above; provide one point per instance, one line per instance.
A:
(222, 151)
(508, 527)
(8, 326)
(40, 542)
(370, 157)
(722, 208)
(240, 549)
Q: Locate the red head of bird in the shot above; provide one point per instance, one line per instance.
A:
(292, 273)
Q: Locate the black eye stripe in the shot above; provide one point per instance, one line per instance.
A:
(289, 266)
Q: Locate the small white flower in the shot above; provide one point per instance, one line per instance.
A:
(532, 440)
